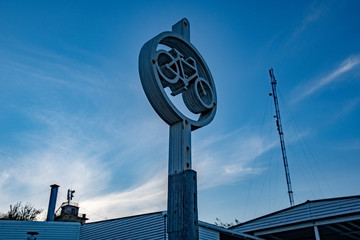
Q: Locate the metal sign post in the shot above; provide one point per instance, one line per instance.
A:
(170, 61)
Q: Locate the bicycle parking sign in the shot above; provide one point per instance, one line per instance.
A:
(169, 66)
(169, 60)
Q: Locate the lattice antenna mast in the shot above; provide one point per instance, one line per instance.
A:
(281, 135)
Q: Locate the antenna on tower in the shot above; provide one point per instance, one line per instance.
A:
(281, 135)
(70, 195)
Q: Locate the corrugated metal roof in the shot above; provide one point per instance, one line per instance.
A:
(16, 230)
(308, 211)
(208, 234)
(226, 231)
(147, 226)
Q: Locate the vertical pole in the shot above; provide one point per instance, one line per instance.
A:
(52, 202)
(180, 147)
(317, 234)
(182, 185)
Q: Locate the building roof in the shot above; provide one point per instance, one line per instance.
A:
(145, 226)
(331, 216)
(151, 226)
(226, 233)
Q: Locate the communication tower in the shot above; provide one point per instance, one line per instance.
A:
(281, 135)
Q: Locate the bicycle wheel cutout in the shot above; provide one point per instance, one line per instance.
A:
(199, 97)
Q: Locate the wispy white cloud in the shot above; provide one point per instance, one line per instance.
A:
(312, 15)
(48, 158)
(215, 168)
(233, 162)
(71, 153)
(148, 197)
(350, 145)
(350, 106)
(347, 107)
(87, 146)
(3, 178)
(346, 66)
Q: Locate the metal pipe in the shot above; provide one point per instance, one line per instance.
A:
(52, 202)
(316, 231)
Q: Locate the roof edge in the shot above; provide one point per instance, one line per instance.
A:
(227, 231)
(301, 204)
(138, 215)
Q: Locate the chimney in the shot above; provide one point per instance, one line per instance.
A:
(52, 202)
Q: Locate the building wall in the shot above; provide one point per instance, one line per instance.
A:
(16, 230)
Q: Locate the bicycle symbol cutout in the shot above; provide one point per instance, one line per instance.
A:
(181, 76)
(181, 68)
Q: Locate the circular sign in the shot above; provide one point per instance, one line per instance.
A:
(181, 69)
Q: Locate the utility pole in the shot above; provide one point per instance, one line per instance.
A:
(281, 135)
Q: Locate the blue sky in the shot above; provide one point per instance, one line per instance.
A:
(73, 111)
